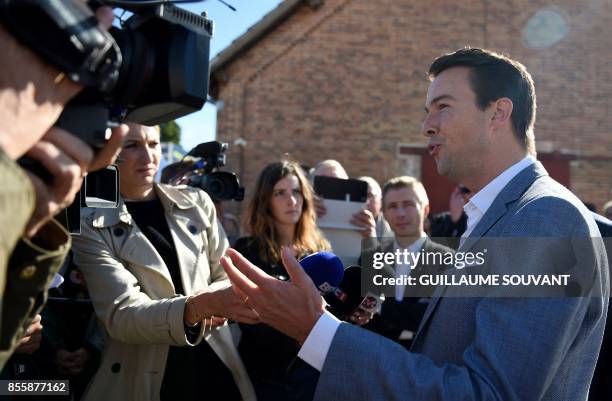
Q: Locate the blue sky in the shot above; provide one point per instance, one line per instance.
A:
(200, 127)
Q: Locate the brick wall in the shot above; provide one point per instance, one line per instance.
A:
(347, 81)
(592, 181)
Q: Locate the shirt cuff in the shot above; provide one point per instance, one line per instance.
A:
(315, 348)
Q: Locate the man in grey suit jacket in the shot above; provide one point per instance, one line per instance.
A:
(480, 115)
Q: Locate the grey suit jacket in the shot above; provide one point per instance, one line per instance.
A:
(489, 348)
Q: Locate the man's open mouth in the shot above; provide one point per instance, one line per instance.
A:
(434, 148)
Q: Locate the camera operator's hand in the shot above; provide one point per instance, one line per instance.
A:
(111, 150)
(364, 219)
(71, 363)
(223, 302)
(30, 342)
(66, 159)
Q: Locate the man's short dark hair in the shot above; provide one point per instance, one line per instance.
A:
(493, 76)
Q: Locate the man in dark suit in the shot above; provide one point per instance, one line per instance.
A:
(480, 114)
(405, 206)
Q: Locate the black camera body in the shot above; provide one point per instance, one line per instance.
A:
(164, 71)
(152, 69)
(220, 185)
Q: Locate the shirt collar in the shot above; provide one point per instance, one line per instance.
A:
(483, 199)
(415, 246)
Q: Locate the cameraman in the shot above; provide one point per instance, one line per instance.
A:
(32, 244)
(153, 271)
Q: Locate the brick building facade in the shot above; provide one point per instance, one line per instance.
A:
(345, 79)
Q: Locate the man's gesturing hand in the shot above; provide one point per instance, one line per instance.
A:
(291, 307)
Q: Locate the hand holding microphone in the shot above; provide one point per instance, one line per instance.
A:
(347, 302)
(361, 317)
(341, 288)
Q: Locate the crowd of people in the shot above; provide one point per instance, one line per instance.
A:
(161, 300)
(155, 305)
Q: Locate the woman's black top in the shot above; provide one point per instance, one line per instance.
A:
(192, 373)
(266, 352)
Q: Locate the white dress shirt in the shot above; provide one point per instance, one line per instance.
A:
(481, 201)
(404, 269)
(315, 348)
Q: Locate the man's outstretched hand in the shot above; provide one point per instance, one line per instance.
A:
(290, 307)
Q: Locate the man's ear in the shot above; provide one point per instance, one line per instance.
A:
(383, 209)
(502, 111)
(426, 211)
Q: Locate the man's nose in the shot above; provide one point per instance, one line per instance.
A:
(146, 155)
(429, 126)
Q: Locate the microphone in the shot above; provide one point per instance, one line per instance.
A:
(325, 269)
(340, 288)
(347, 297)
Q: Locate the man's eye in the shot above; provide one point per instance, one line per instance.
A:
(443, 106)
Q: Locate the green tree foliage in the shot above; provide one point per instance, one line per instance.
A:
(170, 132)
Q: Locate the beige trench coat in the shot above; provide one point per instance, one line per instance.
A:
(133, 294)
